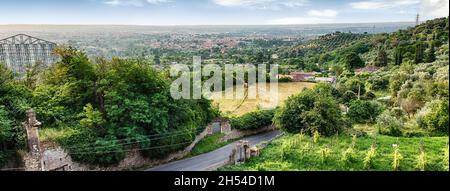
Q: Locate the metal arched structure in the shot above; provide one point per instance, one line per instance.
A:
(21, 51)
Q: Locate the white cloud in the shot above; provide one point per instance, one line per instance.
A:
(261, 4)
(383, 4)
(135, 3)
(435, 8)
(323, 13)
(299, 20)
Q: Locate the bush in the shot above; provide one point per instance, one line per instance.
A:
(364, 111)
(397, 158)
(370, 95)
(434, 117)
(253, 120)
(389, 125)
(285, 80)
(349, 96)
(370, 157)
(311, 110)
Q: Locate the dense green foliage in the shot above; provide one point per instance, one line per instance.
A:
(302, 155)
(312, 110)
(108, 107)
(208, 144)
(14, 101)
(253, 120)
(413, 70)
(361, 111)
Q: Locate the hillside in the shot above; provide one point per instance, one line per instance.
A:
(394, 118)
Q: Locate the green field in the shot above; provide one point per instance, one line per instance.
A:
(242, 106)
(293, 153)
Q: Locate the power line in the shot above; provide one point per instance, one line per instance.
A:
(149, 136)
(149, 148)
(123, 144)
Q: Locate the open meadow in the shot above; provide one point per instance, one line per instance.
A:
(239, 107)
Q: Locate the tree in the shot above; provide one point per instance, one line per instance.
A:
(157, 59)
(437, 119)
(398, 54)
(312, 110)
(6, 134)
(431, 55)
(68, 86)
(353, 60)
(382, 58)
(91, 118)
(419, 52)
(5, 74)
(388, 124)
(361, 111)
(356, 85)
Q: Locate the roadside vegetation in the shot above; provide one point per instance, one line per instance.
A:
(394, 118)
(296, 152)
(208, 144)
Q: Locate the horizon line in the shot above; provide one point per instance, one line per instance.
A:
(187, 25)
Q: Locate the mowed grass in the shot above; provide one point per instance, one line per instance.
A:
(238, 107)
(304, 155)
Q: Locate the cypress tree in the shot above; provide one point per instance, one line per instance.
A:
(382, 59)
(431, 57)
(398, 56)
(419, 53)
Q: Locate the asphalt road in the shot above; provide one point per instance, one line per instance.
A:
(214, 159)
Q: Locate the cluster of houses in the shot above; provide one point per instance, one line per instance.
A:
(313, 76)
(309, 77)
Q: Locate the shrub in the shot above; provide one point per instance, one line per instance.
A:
(421, 162)
(285, 80)
(352, 60)
(355, 85)
(286, 151)
(253, 120)
(434, 117)
(273, 166)
(389, 125)
(349, 96)
(364, 111)
(324, 154)
(397, 158)
(349, 156)
(370, 95)
(313, 109)
(91, 118)
(316, 137)
(370, 157)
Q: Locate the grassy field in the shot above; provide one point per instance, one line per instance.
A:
(241, 106)
(294, 153)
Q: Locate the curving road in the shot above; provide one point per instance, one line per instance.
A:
(214, 159)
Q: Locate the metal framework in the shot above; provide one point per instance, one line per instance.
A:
(21, 51)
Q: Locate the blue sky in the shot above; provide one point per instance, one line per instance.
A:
(216, 12)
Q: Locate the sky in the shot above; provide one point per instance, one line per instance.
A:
(217, 12)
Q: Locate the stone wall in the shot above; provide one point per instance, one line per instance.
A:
(54, 158)
(236, 134)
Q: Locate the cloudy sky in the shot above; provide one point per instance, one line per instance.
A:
(216, 12)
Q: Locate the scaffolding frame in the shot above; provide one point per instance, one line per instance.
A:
(21, 51)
